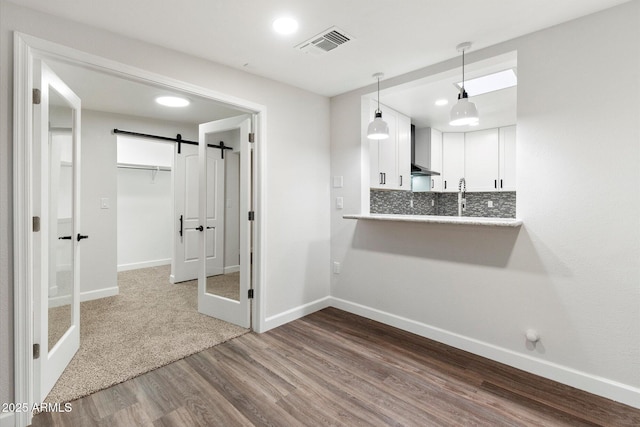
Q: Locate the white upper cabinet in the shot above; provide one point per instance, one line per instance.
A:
(481, 160)
(507, 155)
(485, 158)
(453, 159)
(390, 159)
(428, 153)
(404, 152)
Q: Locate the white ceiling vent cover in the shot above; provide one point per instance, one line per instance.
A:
(325, 41)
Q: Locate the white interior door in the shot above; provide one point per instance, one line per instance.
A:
(213, 300)
(56, 200)
(185, 261)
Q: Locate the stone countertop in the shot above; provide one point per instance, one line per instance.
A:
(462, 220)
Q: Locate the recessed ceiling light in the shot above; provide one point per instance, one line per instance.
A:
(441, 102)
(490, 82)
(285, 25)
(172, 101)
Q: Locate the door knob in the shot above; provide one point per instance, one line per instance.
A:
(81, 236)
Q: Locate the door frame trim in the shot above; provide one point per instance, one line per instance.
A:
(27, 47)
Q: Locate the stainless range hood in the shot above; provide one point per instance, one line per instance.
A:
(418, 170)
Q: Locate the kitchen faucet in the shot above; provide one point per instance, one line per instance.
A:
(462, 196)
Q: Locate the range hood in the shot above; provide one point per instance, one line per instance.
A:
(418, 170)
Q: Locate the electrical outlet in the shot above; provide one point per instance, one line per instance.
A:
(411, 203)
(433, 202)
(339, 203)
(490, 203)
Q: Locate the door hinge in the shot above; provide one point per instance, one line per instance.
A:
(37, 96)
(36, 351)
(35, 223)
(250, 294)
(252, 137)
(252, 215)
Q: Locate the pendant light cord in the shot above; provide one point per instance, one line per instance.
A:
(463, 70)
(378, 96)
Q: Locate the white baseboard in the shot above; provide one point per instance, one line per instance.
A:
(144, 264)
(100, 293)
(84, 296)
(594, 384)
(295, 313)
(231, 269)
(8, 419)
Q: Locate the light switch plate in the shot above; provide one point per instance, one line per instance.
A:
(339, 203)
(336, 267)
(338, 182)
(104, 203)
(490, 203)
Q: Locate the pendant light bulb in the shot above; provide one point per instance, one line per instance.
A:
(465, 111)
(378, 128)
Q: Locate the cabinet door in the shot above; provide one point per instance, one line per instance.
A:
(388, 151)
(403, 175)
(383, 152)
(507, 159)
(436, 159)
(481, 160)
(452, 161)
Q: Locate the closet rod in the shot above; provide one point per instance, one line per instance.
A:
(177, 139)
(143, 167)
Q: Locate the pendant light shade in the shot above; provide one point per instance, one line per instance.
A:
(465, 111)
(378, 128)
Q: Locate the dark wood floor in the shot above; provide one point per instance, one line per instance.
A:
(334, 368)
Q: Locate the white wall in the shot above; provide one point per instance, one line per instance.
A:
(145, 201)
(296, 195)
(100, 175)
(572, 271)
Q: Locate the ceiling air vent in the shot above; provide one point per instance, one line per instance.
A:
(325, 41)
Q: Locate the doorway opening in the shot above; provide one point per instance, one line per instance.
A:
(247, 120)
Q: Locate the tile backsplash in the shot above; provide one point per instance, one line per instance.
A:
(446, 204)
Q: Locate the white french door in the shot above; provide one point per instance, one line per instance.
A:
(214, 299)
(56, 201)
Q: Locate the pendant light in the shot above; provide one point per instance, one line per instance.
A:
(464, 112)
(378, 128)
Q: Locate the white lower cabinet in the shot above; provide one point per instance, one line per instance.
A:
(390, 159)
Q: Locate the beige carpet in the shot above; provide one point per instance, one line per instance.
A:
(149, 324)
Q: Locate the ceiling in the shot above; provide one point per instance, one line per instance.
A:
(417, 98)
(390, 36)
(100, 91)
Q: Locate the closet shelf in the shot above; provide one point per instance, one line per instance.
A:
(143, 167)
